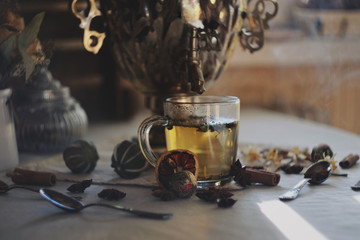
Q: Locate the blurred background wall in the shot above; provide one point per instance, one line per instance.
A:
(309, 66)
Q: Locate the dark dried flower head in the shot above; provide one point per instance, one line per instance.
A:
(164, 194)
(80, 187)
(111, 194)
(225, 202)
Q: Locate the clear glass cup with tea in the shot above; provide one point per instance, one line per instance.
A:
(205, 125)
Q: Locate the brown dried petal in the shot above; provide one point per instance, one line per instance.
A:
(225, 202)
(164, 194)
(111, 194)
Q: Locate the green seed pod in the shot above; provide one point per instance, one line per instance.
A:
(128, 160)
(81, 156)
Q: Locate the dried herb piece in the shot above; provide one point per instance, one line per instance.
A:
(164, 194)
(225, 202)
(213, 193)
(111, 194)
(80, 187)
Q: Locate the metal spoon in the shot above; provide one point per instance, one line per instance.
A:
(356, 186)
(315, 174)
(73, 205)
(4, 187)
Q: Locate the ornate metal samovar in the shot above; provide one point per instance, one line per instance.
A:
(174, 47)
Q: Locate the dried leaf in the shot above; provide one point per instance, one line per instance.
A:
(29, 34)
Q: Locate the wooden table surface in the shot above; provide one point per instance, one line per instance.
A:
(327, 211)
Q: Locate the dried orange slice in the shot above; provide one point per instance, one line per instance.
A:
(175, 161)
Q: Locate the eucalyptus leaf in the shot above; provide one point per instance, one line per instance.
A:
(29, 63)
(30, 32)
(7, 48)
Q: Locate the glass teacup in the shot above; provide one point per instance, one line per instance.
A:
(205, 125)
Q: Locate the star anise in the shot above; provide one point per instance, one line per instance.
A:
(225, 202)
(164, 194)
(80, 187)
(213, 194)
(239, 173)
(111, 194)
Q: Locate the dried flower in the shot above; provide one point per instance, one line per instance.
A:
(331, 160)
(225, 202)
(273, 155)
(251, 155)
(164, 194)
(111, 194)
(80, 187)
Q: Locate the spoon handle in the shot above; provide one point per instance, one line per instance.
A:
(139, 213)
(23, 187)
(294, 192)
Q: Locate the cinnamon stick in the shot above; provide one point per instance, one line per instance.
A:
(28, 177)
(349, 161)
(264, 177)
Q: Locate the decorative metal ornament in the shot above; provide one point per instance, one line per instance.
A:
(168, 48)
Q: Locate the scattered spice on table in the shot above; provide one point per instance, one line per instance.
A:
(226, 202)
(164, 194)
(80, 187)
(111, 194)
(212, 194)
(349, 161)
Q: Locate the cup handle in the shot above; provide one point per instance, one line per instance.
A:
(143, 135)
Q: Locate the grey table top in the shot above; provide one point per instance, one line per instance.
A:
(327, 211)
